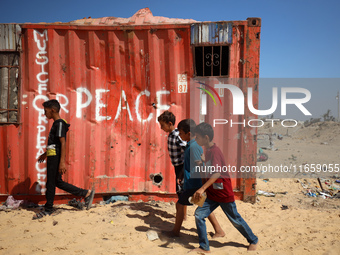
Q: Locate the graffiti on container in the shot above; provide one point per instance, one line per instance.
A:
(84, 99)
(41, 60)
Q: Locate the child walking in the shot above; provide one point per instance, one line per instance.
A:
(192, 154)
(56, 161)
(176, 146)
(219, 192)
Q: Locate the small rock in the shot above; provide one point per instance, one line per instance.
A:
(315, 203)
(284, 207)
(55, 222)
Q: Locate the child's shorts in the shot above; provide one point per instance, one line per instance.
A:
(184, 196)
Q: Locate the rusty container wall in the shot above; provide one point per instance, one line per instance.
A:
(112, 83)
(237, 142)
(107, 80)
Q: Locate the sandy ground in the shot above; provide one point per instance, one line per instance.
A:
(310, 225)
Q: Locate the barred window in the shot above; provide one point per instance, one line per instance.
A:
(212, 60)
(9, 85)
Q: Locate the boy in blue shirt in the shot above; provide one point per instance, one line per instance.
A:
(192, 154)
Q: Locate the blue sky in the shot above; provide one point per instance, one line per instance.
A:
(299, 38)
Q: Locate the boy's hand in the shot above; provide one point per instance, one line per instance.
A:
(179, 181)
(198, 163)
(203, 157)
(62, 168)
(198, 194)
(42, 158)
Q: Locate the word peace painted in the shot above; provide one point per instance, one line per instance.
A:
(83, 100)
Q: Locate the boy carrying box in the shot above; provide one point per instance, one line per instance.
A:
(192, 154)
(219, 192)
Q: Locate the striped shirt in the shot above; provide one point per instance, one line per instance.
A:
(176, 148)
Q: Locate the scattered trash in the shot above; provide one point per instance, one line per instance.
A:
(310, 193)
(265, 180)
(152, 235)
(302, 184)
(337, 181)
(11, 204)
(324, 194)
(284, 207)
(77, 204)
(261, 156)
(320, 184)
(326, 189)
(282, 192)
(116, 198)
(4, 208)
(265, 193)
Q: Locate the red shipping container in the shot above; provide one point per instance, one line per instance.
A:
(113, 77)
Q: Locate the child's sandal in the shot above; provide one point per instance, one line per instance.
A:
(41, 214)
(89, 200)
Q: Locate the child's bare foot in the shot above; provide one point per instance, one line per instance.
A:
(199, 251)
(88, 193)
(217, 234)
(171, 233)
(252, 247)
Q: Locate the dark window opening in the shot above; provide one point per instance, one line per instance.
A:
(9, 86)
(212, 60)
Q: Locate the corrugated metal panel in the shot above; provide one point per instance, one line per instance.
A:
(211, 33)
(236, 142)
(10, 37)
(107, 82)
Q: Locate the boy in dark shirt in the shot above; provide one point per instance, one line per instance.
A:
(219, 192)
(56, 163)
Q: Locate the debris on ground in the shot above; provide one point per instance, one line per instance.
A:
(265, 193)
(326, 188)
(152, 235)
(77, 204)
(113, 199)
